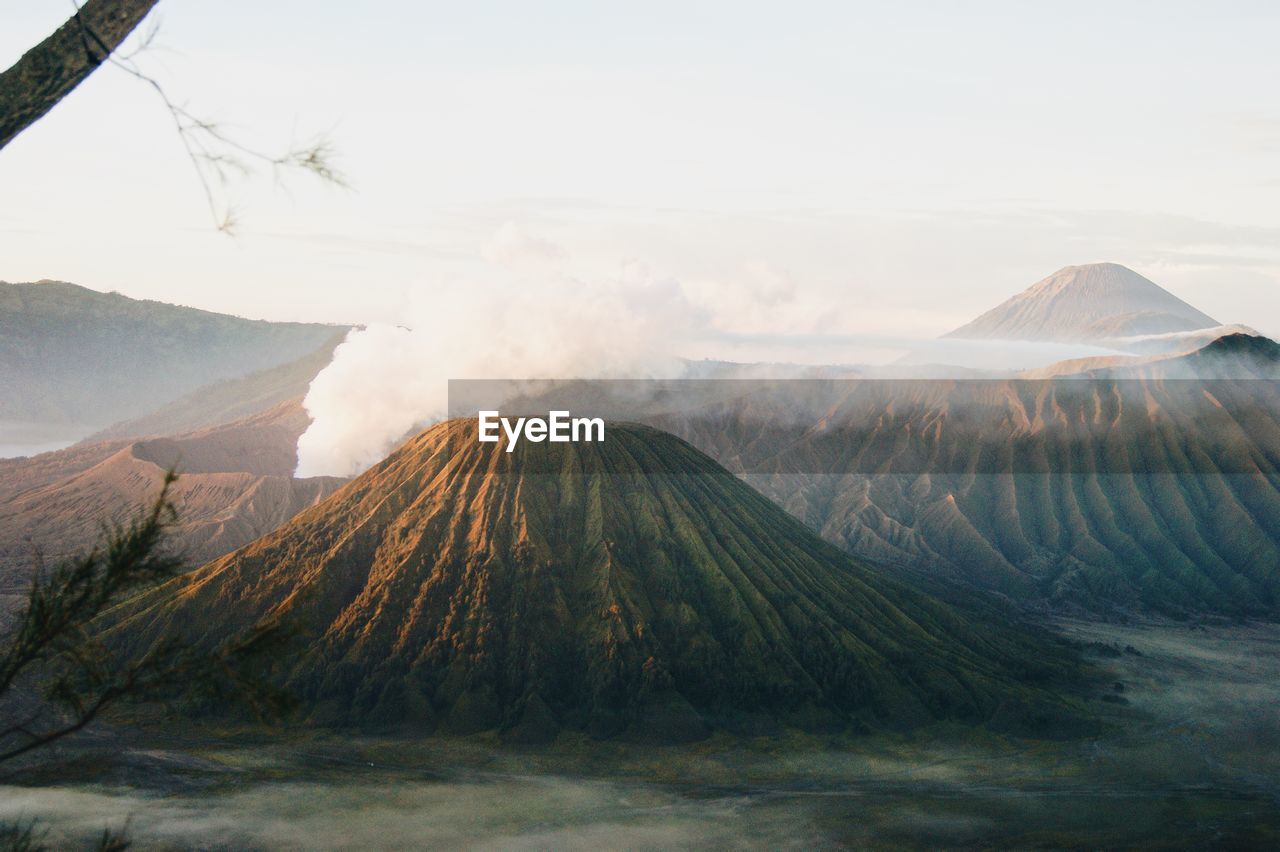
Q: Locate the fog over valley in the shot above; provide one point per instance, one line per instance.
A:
(664, 426)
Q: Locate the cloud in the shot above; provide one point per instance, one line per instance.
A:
(526, 307)
(514, 246)
(769, 285)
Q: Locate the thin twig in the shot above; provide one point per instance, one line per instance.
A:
(212, 151)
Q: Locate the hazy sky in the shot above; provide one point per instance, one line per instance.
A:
(800, 167)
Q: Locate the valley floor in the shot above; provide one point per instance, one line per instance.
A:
(1192, 759)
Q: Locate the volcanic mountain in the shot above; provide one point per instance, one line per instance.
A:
(1099, 301)
(1130, 485)
(631, 586)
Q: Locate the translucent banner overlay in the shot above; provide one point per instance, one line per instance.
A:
(903, 427)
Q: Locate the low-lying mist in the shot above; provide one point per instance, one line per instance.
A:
(371, 813)
(1189, 758)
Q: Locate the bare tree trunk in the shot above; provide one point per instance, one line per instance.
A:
(49, 71)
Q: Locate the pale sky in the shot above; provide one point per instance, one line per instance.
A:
(893, 168)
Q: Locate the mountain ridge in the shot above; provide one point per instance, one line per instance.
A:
(235, 484)
(76, 355)
(1146, 487)
(228, 400)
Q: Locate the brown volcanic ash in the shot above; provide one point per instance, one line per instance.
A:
(637, 586)
(235, 485)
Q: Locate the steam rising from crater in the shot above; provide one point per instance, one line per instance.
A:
(388, 380)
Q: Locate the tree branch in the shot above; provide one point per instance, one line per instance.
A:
(60, 606)
(48, 72)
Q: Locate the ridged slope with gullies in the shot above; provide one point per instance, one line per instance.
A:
(1097, 301)
(637, 587)
(236, 484)
(1148, 489)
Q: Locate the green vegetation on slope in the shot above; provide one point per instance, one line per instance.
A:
(638, 588)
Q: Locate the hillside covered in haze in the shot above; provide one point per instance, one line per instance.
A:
(1112, 485)
(229, 400)
(70, 355)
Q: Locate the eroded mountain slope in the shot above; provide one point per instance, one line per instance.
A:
(632, 585)
(235, 485)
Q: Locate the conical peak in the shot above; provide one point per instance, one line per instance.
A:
(1096, 301)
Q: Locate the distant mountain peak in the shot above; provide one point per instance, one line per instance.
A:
(1096, 301)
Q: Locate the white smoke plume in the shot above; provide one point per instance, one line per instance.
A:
(386, 381)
